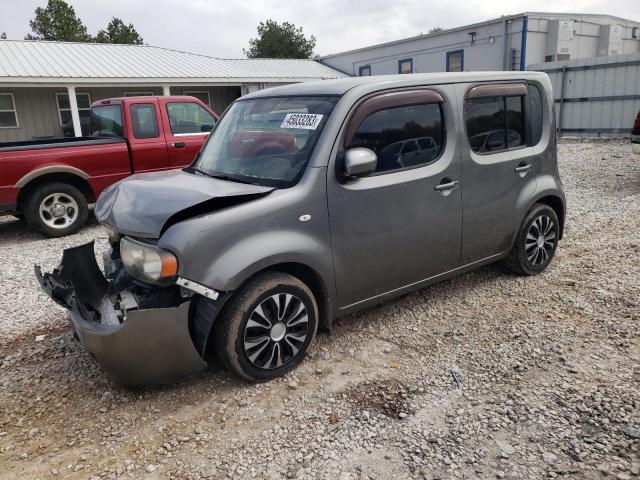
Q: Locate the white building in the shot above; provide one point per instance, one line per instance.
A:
(506, 43)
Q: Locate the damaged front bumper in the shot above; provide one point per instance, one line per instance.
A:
(134, 344)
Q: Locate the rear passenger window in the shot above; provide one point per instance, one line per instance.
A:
(402, 137)
(535, 113)
(495, 123)
(144, 121)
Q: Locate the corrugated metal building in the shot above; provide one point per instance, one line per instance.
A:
(505, 43)
(595, 97)
(39, 81)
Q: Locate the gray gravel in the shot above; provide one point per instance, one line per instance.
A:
(485, 376)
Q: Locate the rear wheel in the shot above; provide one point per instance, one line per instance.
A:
(265, 330)
(536, 242)
(56, 209)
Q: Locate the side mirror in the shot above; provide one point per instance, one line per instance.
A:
(360, 162)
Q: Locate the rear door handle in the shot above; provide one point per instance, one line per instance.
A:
(179, 145)
(446, 185)
(523, 168)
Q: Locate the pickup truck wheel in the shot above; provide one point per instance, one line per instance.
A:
(56, 209)
(266, 327)
(536, 242)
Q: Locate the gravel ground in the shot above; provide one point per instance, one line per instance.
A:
(485, 376)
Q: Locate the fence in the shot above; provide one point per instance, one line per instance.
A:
(595, 97)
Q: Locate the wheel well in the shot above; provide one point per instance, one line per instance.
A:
(558, 207)
(314, 281)
(80, 183)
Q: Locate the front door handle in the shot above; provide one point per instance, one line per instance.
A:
(523, 168)
(179, 145)
(446, 185)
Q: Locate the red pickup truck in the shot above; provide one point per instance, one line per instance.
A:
(51, 182)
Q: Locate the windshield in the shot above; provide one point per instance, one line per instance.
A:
(266, 141)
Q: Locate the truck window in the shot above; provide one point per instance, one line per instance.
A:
(385, 131)
(106, 121)
(144, 121)
(189, 118)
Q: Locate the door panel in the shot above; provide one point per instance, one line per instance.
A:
(494, 178)
(394, 228)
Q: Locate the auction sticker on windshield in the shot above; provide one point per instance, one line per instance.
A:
(306, 121)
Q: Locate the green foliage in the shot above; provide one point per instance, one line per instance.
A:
(435, 29)
(3, 36)
(57, 21)
(118, 32)
(280, 41)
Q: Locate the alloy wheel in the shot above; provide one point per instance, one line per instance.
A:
(58, 210)
(541, 240)
(276, 331)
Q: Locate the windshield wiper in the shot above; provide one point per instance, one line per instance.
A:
(229, 178)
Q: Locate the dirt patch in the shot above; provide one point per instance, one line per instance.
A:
(388, 397)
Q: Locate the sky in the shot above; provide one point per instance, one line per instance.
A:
(223, 28)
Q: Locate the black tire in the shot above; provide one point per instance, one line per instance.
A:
(71, 225)
(231, 329)
(526, 256)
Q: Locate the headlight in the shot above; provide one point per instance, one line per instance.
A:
(148, 263)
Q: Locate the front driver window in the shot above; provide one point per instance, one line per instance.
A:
(402, 137)
(189, 117)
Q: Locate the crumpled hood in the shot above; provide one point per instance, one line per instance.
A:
(146, 204)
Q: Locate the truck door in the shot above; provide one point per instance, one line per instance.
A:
(148, 145)
(401, 224)
(189, 125)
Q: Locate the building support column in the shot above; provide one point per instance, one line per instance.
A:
(75, 115)
(166, 90)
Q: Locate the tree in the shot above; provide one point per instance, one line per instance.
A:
(280, 41)
(118, 32)
(435, 29)
(3, 36)
(57, 21)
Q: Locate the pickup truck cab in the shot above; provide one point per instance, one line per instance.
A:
(301, 208)
(51, 182)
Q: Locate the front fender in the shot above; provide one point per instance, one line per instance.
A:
(233, 267)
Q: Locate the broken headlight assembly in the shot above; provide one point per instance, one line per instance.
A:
(147, 262)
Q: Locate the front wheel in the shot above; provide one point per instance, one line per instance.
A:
(536, 242)
(265, 330)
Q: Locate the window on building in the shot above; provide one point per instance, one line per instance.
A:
(405, 66)
(402, 137)
(144, 121)
(189, 118)
(364, 70)
(203, 96)
(495, 124)
(455, 61)
(8, 113)
(84, 110)
(138, 94)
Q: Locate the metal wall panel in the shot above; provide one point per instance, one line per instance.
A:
(595, 97)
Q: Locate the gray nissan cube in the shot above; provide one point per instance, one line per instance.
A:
(309, 202)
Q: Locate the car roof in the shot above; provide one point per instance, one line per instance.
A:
(342, 85)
